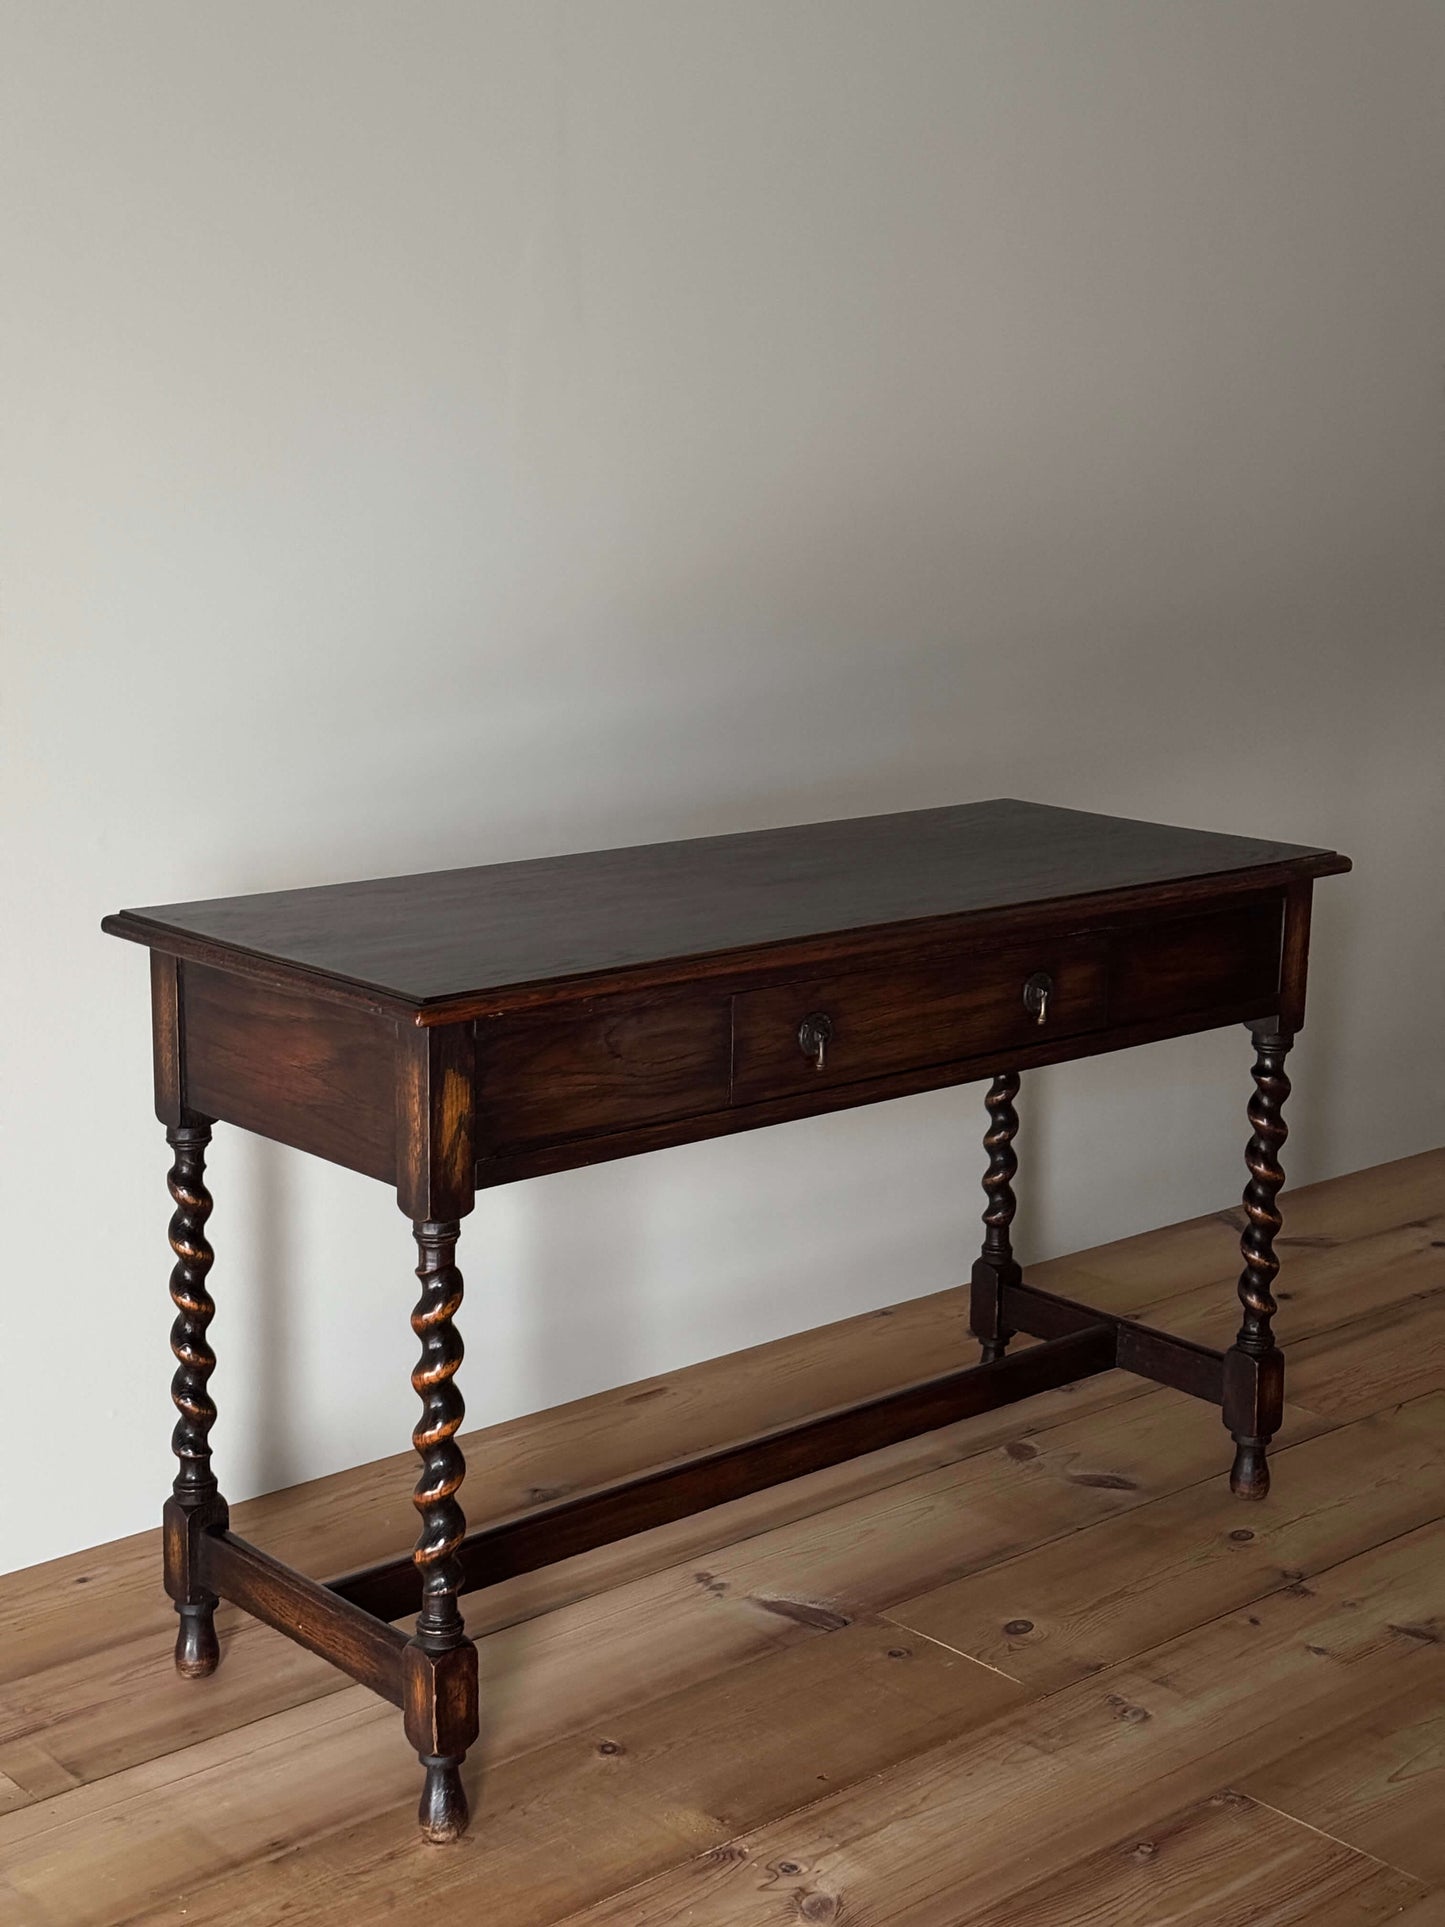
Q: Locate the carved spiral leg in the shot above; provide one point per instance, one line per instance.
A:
(995, 1267)
(195, 1503)
(441, 1678)
(1254, 1366)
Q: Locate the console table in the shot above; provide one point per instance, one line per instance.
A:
(470, 1027)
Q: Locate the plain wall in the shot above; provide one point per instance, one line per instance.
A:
(437, 433)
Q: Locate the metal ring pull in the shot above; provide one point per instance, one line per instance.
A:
(1037, 992)
(814, 1035)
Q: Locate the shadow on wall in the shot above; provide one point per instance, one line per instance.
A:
(273, 1246)
(1313, 1111)
(572, 1288)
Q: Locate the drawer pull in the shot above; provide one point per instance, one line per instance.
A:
(813, 1036)
(1037, 992)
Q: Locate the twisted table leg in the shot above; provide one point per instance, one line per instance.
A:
(441, 1677)
(1254, 1366)
(995, 1266)
(195, 1503)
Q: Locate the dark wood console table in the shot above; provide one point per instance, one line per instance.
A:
(471, 1027)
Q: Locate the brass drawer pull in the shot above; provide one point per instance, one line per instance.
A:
(1037, 992)
(814, 1034)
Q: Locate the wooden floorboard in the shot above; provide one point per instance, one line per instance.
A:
(969, 1824)
(1378, 1783)
(1225, 1862)
(836, 1676)
(1429, 1912)
(1071, 1607)
(1353, 1369)
(1324, 1285)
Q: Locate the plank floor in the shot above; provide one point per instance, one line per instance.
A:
(1037, 1669)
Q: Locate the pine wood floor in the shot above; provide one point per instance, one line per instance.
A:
(1035, 1670)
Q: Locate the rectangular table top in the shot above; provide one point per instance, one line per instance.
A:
(449, 934)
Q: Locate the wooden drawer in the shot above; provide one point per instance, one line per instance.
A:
(1225, 960)
(903, 1017)
(605, 1065)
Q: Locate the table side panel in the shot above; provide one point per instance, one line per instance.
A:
(1163, 966)
(317, 1075)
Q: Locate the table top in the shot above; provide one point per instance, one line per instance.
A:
(451, 934)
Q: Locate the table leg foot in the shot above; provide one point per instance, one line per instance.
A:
(1249, 1476)
(198, 1651)
(443, 1813)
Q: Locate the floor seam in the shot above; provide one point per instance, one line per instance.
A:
(1335, 1839)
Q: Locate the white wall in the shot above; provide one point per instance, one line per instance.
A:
(446, 432)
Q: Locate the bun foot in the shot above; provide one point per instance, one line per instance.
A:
(198, 1651)
(1249, 1478)
(443, 1813)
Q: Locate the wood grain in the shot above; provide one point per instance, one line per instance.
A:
(1367, 1367)
(1191, 963)
(1326, 1282)
(866, 1555)
(1378, 1783)
(600, 1066)
(1145, 1273)
(12, 1795)
(1091, 1599)
(1226, 1862)
(313, 1075)
(630, 1783)
(453, 935)
(1429, 1912)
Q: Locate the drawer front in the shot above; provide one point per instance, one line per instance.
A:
(545, 1076)
(899, 1018)
(1223, 960)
